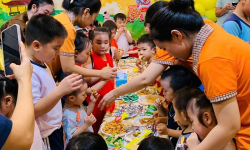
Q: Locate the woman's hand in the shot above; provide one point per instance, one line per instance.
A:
(108, 73)
(192, 141)
(107, 100)
(24, 71)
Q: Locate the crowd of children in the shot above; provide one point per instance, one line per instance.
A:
(69, 77)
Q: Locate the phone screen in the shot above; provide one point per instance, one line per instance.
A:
(10, 47)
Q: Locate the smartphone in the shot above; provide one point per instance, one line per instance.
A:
(234, 4)
(10, 45)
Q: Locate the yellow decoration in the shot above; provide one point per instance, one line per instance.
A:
(210, 14)
(1, 60)
(200, 9)
(197, 1)
(208, 4)
(158, 88)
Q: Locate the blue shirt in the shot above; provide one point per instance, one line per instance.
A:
(5, 128)
(236, 26)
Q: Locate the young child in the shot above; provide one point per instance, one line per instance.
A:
(201, 114)
(114, 52)
(99, 58)
(76, 117)
(43, 44)
(122, 36)
(173, 79)
(8, 99)
(146, 51)
(238, 23)
(155, 143)
(87, 141)
(180, 101)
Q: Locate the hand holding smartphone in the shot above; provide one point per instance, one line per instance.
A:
(11, 50)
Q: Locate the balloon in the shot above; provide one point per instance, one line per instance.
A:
(210, 14)
(200, 9)
(208, 4)
(197, 1)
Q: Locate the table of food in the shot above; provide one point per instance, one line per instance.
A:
(132, 120)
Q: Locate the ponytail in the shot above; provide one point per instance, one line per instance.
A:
(178, 15)
(78, 6)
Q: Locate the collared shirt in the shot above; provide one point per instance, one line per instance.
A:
(21, 20)
(222, 62)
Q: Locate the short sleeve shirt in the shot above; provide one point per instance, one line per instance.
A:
(222, 62)
(72, 120)
(222, 4)
(5, 128)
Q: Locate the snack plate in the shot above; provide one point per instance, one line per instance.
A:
(143, 99)
(108, 120)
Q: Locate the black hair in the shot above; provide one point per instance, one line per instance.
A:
(87, 141)
(146, 39)
(99, 30)
(8, 86)
(96, 23)
(81, 41)
(110, 25)
(153, 9)
(178, 15)
(44, 29)
(180, 77)
(38, 3)
(120, 16)
(78, 6)
(201, 104)
(155, 143)
(183, 96)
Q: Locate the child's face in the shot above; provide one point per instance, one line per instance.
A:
(180, 117)
(47, 53)
(100, 43)
(44, 9)
(198, 128)
(167, 90)
(147, 28)
(120, 23)
(113, 32)
(81, 95)
(246, 7)
(82, 57)
(145, 51)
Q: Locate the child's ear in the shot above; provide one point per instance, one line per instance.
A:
(8, 100)
(71, 98)
(154, 50)
(76, 53)
(86, 11)
(36, 45)
(207, 119)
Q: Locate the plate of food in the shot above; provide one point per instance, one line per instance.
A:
(144, 120)
(149, 99)
(130, 98)
(132, 110)
(114, 128)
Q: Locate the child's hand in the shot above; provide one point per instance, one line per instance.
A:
(192, 141)
(139, 63)
(24, 71)
(162, 129)
(156, 114)
(157, 103)
(89, 120)
(121, 30)
(70, 84)
(108, 73)
(125, 30)
(94, 98)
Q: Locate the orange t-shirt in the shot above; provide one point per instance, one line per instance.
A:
(68, 48)
(223, 65)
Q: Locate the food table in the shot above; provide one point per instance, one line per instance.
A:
(138, 108)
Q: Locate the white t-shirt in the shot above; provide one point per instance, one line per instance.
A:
(122, 42)
(43, 84)
(222, 4)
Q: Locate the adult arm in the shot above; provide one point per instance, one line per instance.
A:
(147, 77)
(23, 119)
(221, 10)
